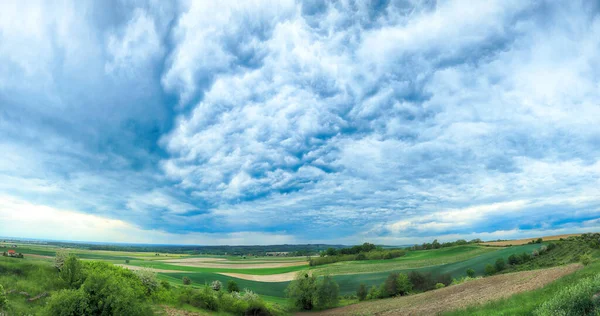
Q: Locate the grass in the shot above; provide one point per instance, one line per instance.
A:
(272, 289)
(412, 260)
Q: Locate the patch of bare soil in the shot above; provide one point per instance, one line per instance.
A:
(519, 242)
(193, 260)
(457, 296)
(172, 311)
(282, 277)
(135, 268)
(240, 266)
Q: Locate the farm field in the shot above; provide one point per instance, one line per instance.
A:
(471, 293)
(518, 242)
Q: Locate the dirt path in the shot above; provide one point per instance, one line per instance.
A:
(282, 277)
(134, 268)
(239, 266)
(457, 296)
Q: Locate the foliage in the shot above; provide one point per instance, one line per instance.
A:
(470, 273)
(361, 293)
(216, 285)
(232, 286)
(186, 280)
(577, 299)
(440, 285)
(331, 255)
(489, 269)
(148, 279)
(403, 284)
(3, 299)
(436, 245)
(60, 258)
(301, 291)
(327, 294)
(71, 272)
(585, 259)
(307, 292)
(67, 303)
(499, 265)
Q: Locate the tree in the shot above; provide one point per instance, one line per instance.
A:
(361, 256)
(186, 281)
(327, 293)
(301, 291)
(403, 284)
(435, 244)
(232, 286)
(499, 264)
(470, 273)
(331, 252)
(585, 259)
(489, 269)
(72, 272)
(539, 241)
(362, 292)
(391, 285)
(60, 258)
(3, 299)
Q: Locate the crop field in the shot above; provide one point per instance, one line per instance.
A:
(518, 242)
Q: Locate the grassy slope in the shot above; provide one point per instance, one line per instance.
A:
(412, 260)
(349, 283)
(260, 271)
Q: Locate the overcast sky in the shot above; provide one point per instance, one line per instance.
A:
(256, 122)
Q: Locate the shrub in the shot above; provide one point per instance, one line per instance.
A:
(470, 273)
(391, 285)
(301, 291)
(127, 261)
(327, 293)
(421, 281)
(489, 269)
(551, 246)
(186, 280)
(539, 241)
(361, 293)
(361, 256)
(440, 285)
(232, 286)
(535, 253)
(216, 285)
(59, 258)
(577, 299)
(403, 284)
(3, 299)
(499, 266)
(148, 279)
(67, 303)
(444, 278)
(71, 272)
(205, 298)
(585, 259)
(373, 293)
(513, 259)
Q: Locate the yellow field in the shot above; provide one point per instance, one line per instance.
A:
(519, 242)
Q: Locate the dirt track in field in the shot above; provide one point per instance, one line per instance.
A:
(457, 296)
(238, 266)
(519, 242)
(135, 268)
(282, 277)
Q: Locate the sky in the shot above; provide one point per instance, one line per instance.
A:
(272, 122)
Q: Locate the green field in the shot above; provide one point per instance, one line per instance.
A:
(258, 271)
(412, 260)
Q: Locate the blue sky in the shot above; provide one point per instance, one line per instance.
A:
(258, 122)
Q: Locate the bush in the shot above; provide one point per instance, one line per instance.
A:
(513, 259)
(361, 293)
(577, 299)
(489, 269)
(403, 284)
(440, 285)
(186, 281)
(373, 293)
(148, 279)
(205, 299)
(301, 291)
(499, 264)
(585, 259)
(3, 299)
(470, 273)
(216, 285)
(72, 272)
(361, 256)
(327, 292)
(232, 286)
(421, 281)
(67, 303)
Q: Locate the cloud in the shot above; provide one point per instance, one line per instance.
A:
(333, 121)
